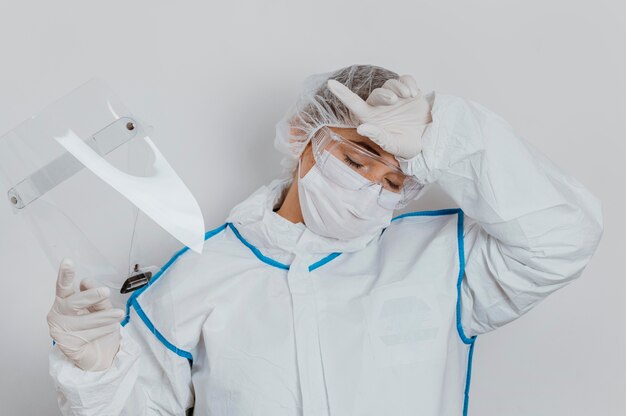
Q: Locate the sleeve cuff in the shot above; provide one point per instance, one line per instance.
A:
(83, 392)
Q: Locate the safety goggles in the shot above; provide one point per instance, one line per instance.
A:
(353, 167)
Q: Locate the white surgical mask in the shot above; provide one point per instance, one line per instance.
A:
(333, 211)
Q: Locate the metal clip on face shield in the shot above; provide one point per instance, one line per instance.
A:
(94, 187)
(138, 279)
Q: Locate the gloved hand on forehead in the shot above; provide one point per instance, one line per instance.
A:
(394, 115)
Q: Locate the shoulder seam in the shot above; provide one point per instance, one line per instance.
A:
(132, 300)
(461, 250)
(445, 211)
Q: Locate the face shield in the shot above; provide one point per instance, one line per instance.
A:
(92, 185)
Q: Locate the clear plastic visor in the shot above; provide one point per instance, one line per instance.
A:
(351, 166)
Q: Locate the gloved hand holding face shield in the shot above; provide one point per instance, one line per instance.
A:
(94, 187)
(84, 324)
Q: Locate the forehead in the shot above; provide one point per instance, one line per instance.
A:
(351, 134)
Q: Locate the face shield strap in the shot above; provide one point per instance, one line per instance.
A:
(339, 126)
(65, 166)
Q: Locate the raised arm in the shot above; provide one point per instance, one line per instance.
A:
(530, 228)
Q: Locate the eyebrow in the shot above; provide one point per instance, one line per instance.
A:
(366, 146)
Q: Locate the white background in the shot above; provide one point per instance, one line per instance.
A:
(213, 78)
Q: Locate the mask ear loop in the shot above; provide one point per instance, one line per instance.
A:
(299, 164)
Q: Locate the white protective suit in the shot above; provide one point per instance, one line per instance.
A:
(273, 320)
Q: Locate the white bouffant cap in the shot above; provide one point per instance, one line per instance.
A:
(316, 106)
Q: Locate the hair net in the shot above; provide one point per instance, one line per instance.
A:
(316, 106)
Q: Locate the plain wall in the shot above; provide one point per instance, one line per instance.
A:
(213, 78)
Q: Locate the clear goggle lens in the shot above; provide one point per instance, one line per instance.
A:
(353, 167)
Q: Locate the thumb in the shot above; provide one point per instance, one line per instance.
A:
(351, 100)
(379, 136)
(370, 130)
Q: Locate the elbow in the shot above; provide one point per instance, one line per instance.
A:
(564, 253)
(562, 249)
(589, 230)
(589, 225)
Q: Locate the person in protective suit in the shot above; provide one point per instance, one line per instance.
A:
(312, 298)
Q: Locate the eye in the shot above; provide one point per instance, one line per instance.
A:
(352, 163)
(392, 185)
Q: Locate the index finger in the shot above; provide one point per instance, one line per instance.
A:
(90, 283)
(351, 100)
(65, 278)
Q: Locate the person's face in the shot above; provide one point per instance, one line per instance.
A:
(374, 171)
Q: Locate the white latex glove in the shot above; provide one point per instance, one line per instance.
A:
(84, 324)
(394, 115)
